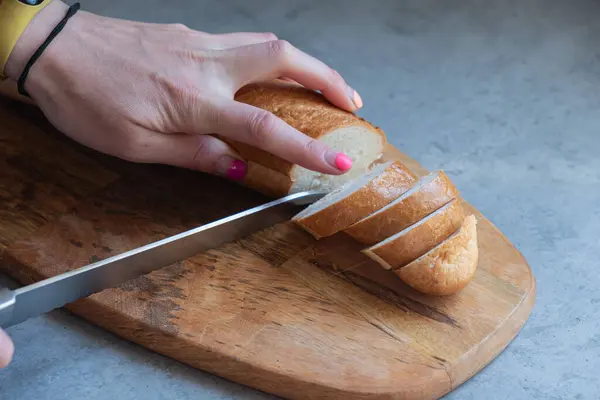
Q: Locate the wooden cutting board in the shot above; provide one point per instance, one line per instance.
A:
(277, 311)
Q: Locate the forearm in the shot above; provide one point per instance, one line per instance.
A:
(34, 35)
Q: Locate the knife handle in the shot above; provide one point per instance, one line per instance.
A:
(8, 299)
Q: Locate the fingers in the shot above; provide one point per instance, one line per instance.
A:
(6, 349)
(257, 127)
(273, 59)
(197, 152)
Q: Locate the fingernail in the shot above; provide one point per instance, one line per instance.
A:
(237, 171)
(232, 168)
(355, 98)
(340, 161)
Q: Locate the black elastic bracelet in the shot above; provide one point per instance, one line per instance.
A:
(21, 82)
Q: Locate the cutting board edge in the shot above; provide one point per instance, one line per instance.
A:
(281, 384)
(511, 328)
(447, 380)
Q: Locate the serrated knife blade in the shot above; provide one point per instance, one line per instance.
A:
(46, 295)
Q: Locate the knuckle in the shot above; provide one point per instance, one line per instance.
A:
(280, 50)
(182, 92)
(182, 89)
(179, 27)
(196, 56)
(269, 36)
(313, 147)
(214, 115)
(261, 125)
(202, 151)
(185, 35)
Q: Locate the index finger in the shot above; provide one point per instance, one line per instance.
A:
(259, 128)
(278, 58)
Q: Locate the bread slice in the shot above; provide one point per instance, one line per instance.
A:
(411, 243)
(447, 268)
(356, 199)
(309, 112)
(430, 193)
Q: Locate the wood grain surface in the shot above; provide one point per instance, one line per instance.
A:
(277, 311)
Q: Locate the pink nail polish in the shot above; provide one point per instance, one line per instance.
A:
(237, 171)
(343, 162)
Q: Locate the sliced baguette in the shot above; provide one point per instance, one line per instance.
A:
(430, 193)
(356, 199)
(266, 180)
(310, 113)
(447, 268)
(414, 241)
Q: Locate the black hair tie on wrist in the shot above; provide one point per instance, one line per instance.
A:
(21, 82)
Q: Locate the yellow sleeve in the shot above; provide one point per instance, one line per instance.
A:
(15, 15)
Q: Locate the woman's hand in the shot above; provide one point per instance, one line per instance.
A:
(6, 349)
(154, 93)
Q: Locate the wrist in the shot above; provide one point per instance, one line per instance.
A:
(33, 36)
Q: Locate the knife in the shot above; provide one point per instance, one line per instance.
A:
(41, 297)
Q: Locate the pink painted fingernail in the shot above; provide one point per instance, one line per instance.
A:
(355, 98)
(343, 162)
(232, 168)
(237, 171)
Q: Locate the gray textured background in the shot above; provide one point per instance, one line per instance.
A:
(504, 95)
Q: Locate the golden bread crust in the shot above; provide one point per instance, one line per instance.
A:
(389, 185)
(419, 239)
(447, 268)
(266, 181)
(305, 110)
(422, 202)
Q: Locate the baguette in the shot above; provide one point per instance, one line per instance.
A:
(429, 194)
(447, 268)
(411, 243)
(356, 199)
(310, 113)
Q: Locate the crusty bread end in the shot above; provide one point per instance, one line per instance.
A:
(447, 268)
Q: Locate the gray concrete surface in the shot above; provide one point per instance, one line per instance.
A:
(504, 95)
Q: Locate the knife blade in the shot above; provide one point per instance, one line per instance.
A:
(43, 296)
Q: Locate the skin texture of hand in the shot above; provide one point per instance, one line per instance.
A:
(158, 93)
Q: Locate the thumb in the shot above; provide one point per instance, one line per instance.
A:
(203, 153)
(6, 349)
